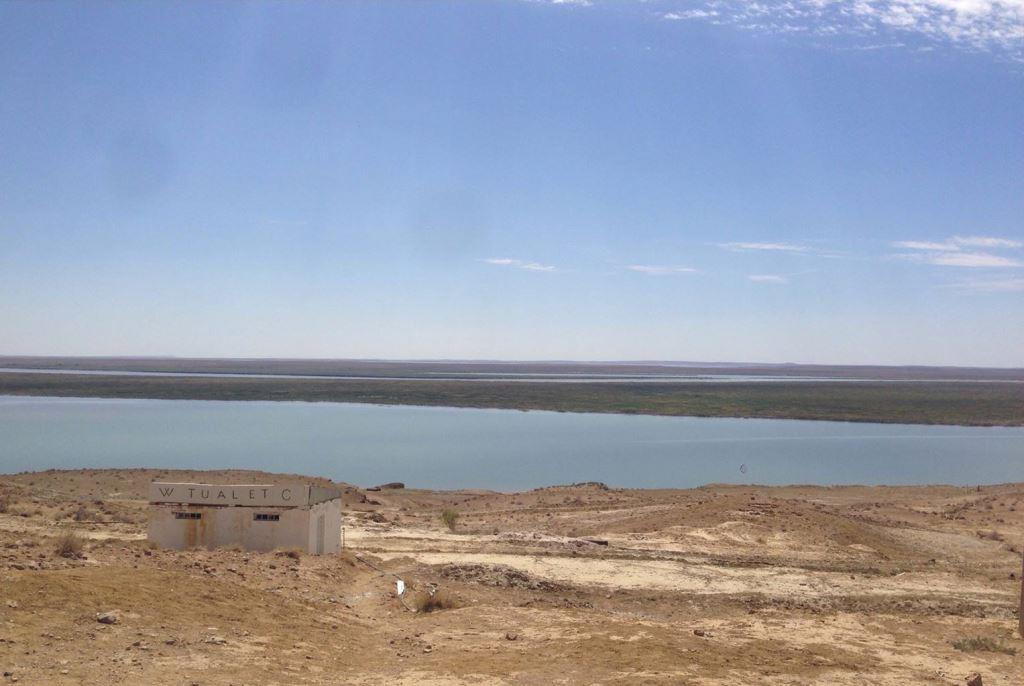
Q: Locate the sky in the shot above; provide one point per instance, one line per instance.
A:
(816, 181)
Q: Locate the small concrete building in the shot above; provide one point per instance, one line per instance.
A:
(254, 516)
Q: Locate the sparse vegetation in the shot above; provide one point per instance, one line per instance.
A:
(925, 402)
(69, 544)
(5, 504)
(81, 514)
(992, 535)
(450, 518)
(983, 644)
(440, 599)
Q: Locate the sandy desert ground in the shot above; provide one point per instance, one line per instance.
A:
(565, 585)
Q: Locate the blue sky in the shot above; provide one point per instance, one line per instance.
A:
(803, 181)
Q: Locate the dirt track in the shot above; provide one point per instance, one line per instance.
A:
(719, 585)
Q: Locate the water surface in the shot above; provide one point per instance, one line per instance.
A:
(436, 447)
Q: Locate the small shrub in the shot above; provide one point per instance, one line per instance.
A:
(983, 644)
(990, 535)
(68, 544)
(424, 601)
(81, 514)
(5, 503)
(449, 518)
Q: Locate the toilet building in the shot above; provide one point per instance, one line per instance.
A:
(254, 516)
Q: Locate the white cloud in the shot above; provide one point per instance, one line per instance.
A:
(519, 264)
(768, 278)
(990, 286)
(689, 14)
(952, 253)
(987, 242)
(659, 270)
(993, 25)
(783, 247)
(961, 259)
(925, 245)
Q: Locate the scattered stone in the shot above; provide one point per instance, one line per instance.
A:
(973, 679)
(701, 632)
(509, 636)
(215, 640)
(112, 617)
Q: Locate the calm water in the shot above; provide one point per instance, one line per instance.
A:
(500, 449)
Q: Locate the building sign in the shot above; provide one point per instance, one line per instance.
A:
(254, 495)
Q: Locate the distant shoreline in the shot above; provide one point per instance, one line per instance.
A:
(437, 369)
(926, 402)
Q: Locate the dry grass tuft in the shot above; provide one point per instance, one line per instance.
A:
(69, 544)
(449, 518)
(424, 601)
(983, 644)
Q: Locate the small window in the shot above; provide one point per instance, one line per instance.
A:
(188, 515)
(263, 517)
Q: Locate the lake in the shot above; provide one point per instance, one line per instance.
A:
(445, 448)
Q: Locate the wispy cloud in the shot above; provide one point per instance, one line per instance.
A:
(520, 264)
(987, 242)
(660, 270)
(925, 245)
(990, 25)
(780, 247)
(1012, 285)
(957, 242)
(768, 278)
(961, 259)
(952, 253)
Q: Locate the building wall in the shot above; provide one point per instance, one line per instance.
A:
(330, 510)
(226, 526)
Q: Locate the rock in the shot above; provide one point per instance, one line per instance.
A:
(215, 640)
(392, 485)
(973, 679)
(509, 636)
(701, 632)
(112, 617)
